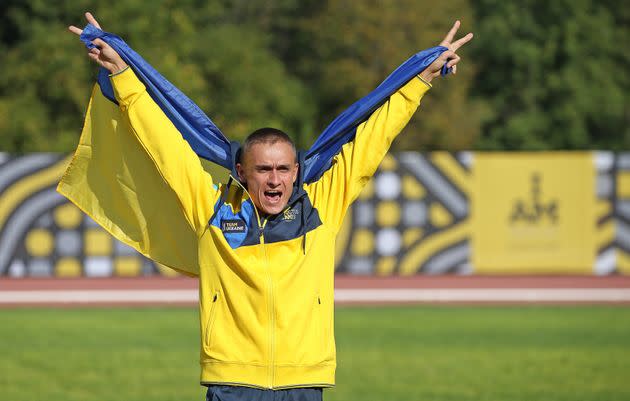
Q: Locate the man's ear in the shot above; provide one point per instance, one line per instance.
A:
(241, 173)
(296, 170)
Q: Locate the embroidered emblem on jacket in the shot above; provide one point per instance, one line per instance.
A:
(233, 226)
(290, 214)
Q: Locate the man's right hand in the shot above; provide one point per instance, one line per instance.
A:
(103, 54)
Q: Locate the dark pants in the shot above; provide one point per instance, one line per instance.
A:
(237, 393)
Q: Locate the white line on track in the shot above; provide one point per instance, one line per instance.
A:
(522, 295)
(485, 295)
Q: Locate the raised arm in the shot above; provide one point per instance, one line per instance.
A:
(175, 161)
(333, 193)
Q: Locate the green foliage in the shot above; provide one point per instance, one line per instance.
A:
(539, 75)
(353, 46)
(554, 74)
(226, 67)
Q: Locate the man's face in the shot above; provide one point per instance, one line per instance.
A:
(269, 171)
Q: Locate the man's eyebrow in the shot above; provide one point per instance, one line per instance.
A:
(270, 166)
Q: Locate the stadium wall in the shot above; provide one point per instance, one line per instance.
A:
(422, 213)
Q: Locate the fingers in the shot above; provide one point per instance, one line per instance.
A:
(451, 34)
(448, 58)
(445, 57)
(460, 42)
(452, 63)
(90, 18)
(93, 56)
(100, 43)
(75, 30)
(454, 60)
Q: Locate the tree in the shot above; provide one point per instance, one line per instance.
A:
(344, 49)
(553, 74)
(225, 67)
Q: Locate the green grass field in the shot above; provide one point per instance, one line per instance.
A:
(403, 353)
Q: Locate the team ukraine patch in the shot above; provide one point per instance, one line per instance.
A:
(233, 226)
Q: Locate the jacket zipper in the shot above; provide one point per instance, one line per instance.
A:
(271, 306)
(272, 323)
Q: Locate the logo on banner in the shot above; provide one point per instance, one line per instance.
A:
(535, 209)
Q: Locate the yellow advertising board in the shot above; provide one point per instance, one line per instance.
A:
(533, 213)
(422, 213)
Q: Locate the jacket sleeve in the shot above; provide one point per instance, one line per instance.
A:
(175, 161)
(357, 161)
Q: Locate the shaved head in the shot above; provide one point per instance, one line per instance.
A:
(268, 136)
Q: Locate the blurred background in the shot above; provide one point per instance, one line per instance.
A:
(539, 75)
(540, 78)
(511, 185)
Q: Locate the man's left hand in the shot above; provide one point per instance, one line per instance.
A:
(449, 57)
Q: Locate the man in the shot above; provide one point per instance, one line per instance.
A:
(265, 239)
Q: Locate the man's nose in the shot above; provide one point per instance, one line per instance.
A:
(274, 178)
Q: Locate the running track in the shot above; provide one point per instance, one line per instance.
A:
(348, 290)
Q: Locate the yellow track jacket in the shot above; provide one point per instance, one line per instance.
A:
(265, 285)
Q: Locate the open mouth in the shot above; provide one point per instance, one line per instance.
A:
(273, 196)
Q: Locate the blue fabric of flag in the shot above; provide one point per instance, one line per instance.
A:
(204, 137)
(343, 128)
(207, 140)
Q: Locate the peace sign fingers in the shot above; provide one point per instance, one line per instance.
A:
(75, 30)
(449, 58)
(446, 42)
(103, 54)
(462, 41)
(450, 36)
(90, 18)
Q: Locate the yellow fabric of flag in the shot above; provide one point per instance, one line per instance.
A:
(114, 181)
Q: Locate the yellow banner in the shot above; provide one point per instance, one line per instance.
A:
(533, 213)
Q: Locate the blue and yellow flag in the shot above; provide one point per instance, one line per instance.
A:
(113, 180)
